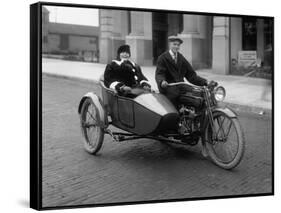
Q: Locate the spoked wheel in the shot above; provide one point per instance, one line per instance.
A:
(226, 144)
(90, 121)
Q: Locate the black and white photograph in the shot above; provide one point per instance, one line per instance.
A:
(147, 105)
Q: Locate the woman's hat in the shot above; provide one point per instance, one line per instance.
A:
(124, 48)
(175, 38)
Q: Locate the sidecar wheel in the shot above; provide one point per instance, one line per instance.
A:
(90, 120)
(228, 148)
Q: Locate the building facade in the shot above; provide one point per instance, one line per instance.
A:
(69, 39)
(213, 42)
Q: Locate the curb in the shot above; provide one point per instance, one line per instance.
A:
(69, 77)
(250, 109)
(234, 106)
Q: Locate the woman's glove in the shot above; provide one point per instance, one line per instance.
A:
(125, 90)
(146, 86)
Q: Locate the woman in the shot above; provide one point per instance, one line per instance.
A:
(124, 75)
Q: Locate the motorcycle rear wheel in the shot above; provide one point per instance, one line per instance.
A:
(90, 120)
(226, 146)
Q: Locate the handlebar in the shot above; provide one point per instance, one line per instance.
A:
(185, 83)
(210, 87)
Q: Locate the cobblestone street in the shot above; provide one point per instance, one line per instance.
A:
(138, 170)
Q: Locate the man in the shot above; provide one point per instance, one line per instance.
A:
(172, 67)
(124, 75)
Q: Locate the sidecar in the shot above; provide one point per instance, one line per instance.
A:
(146, 115)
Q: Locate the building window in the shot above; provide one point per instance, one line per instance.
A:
(45, 39)
(249, 34)
(64, 42)
(92, 41)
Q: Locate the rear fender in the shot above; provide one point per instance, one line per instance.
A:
(98, 103)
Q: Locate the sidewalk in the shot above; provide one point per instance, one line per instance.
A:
(243, 93)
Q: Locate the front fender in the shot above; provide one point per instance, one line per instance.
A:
(98, 103)
(94, 98)
(229, 112)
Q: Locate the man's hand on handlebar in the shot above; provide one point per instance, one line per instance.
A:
(212, 84)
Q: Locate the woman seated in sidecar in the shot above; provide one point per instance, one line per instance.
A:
(125, 76)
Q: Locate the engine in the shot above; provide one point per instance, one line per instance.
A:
(187, 122)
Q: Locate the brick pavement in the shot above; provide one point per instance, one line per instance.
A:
(138, 170)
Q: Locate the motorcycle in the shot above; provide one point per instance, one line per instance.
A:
(200, 116)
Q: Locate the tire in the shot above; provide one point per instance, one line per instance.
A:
(215, 146)
(93, 135)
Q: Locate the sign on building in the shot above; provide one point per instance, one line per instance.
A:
(247, 58)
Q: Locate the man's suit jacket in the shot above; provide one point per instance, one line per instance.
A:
(173, 72)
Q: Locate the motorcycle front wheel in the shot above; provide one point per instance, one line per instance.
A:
(90, 120)
(226, 144)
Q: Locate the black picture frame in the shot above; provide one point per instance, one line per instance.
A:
(36, 106)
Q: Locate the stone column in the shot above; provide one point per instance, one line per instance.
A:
(193, 36)
(120, 28)
(236, 37)
(190, 24)
(140, 38)
(113, 29)
(260, 39)
(221, 45)
(106, 52)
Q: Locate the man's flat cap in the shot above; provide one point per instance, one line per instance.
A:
(175, 38)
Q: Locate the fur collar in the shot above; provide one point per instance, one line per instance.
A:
(121, 61)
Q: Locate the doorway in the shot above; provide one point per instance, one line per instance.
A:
(249, 33)
(159, 34)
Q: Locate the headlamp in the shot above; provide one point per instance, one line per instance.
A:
(219, 93)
